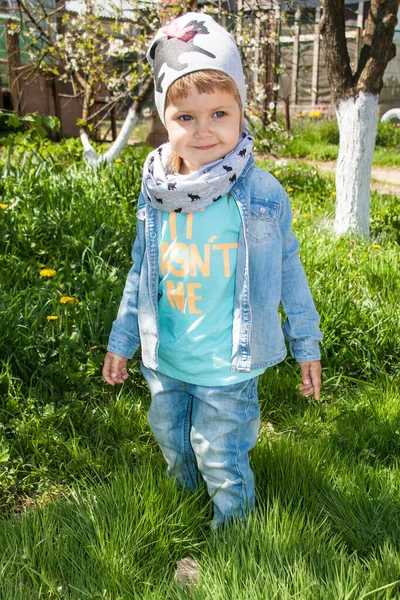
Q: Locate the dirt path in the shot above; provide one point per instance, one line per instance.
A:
(385, 180)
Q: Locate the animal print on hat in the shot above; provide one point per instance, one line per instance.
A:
(192, 42)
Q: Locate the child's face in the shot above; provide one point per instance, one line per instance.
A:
(203, 128)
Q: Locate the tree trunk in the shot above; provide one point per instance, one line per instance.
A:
(116, 148)
(13, 57)
(333, 32)
(356, 98)
(158, 134)
(357, 118)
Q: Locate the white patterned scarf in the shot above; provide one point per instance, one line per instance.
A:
(188, 193)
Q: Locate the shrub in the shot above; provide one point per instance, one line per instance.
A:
(385, 218)
(388, 135)
(271, 139)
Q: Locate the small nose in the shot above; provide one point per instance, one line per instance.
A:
(203, 127)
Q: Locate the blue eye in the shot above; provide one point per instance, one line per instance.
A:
(185, 118)
(220, 113)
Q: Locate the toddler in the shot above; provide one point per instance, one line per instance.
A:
(213, 258)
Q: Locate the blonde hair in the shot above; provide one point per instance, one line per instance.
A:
(203, 82)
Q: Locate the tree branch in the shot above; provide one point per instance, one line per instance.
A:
(377, 49)
(333, 32)
(23, 7)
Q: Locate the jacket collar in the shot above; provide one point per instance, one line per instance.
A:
(248, 166)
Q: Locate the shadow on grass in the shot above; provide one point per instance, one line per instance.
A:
(338, 462)
(119, 540)
(327, 493)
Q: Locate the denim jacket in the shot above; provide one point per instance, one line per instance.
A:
(268, 273)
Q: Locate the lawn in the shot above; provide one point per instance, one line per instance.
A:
(317, 139)
(86, 509)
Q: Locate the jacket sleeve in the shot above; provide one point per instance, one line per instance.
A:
(124, 338)
(301, 327)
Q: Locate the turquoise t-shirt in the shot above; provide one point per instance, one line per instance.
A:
(197, 267)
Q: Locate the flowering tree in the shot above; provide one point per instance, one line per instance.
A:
(97, 50)
(356, 95)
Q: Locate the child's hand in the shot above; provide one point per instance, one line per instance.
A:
(114, 368)
(311, 377)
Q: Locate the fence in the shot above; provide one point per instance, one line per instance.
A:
(289, 48)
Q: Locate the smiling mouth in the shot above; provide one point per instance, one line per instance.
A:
(205, 147)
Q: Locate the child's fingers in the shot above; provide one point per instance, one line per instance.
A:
(122, 373)
(306, 388)
(315, 372)
(114, 369)
(115, 375)
(311, 377)
(107, 368)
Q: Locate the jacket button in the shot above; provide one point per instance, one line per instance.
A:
(262, 210)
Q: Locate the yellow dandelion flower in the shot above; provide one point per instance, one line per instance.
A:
(294, 220)
(277, 172)
(290, 189)
(118, 160)
(320, 240)
(47, 273)
(333, 193)
(377, 246)
(52, 318)
(3, 206)
(305, 215)
(293, 208)
(68, 300)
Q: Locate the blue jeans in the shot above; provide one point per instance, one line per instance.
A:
(211, 430)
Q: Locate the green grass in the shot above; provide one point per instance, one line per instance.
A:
(318, 140)
(87, 510)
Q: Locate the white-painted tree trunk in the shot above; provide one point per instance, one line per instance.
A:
(115, 150)
(357, 119)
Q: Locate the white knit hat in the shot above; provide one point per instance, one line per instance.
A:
(192, 42)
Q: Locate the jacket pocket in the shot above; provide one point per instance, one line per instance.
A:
(263, 216)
